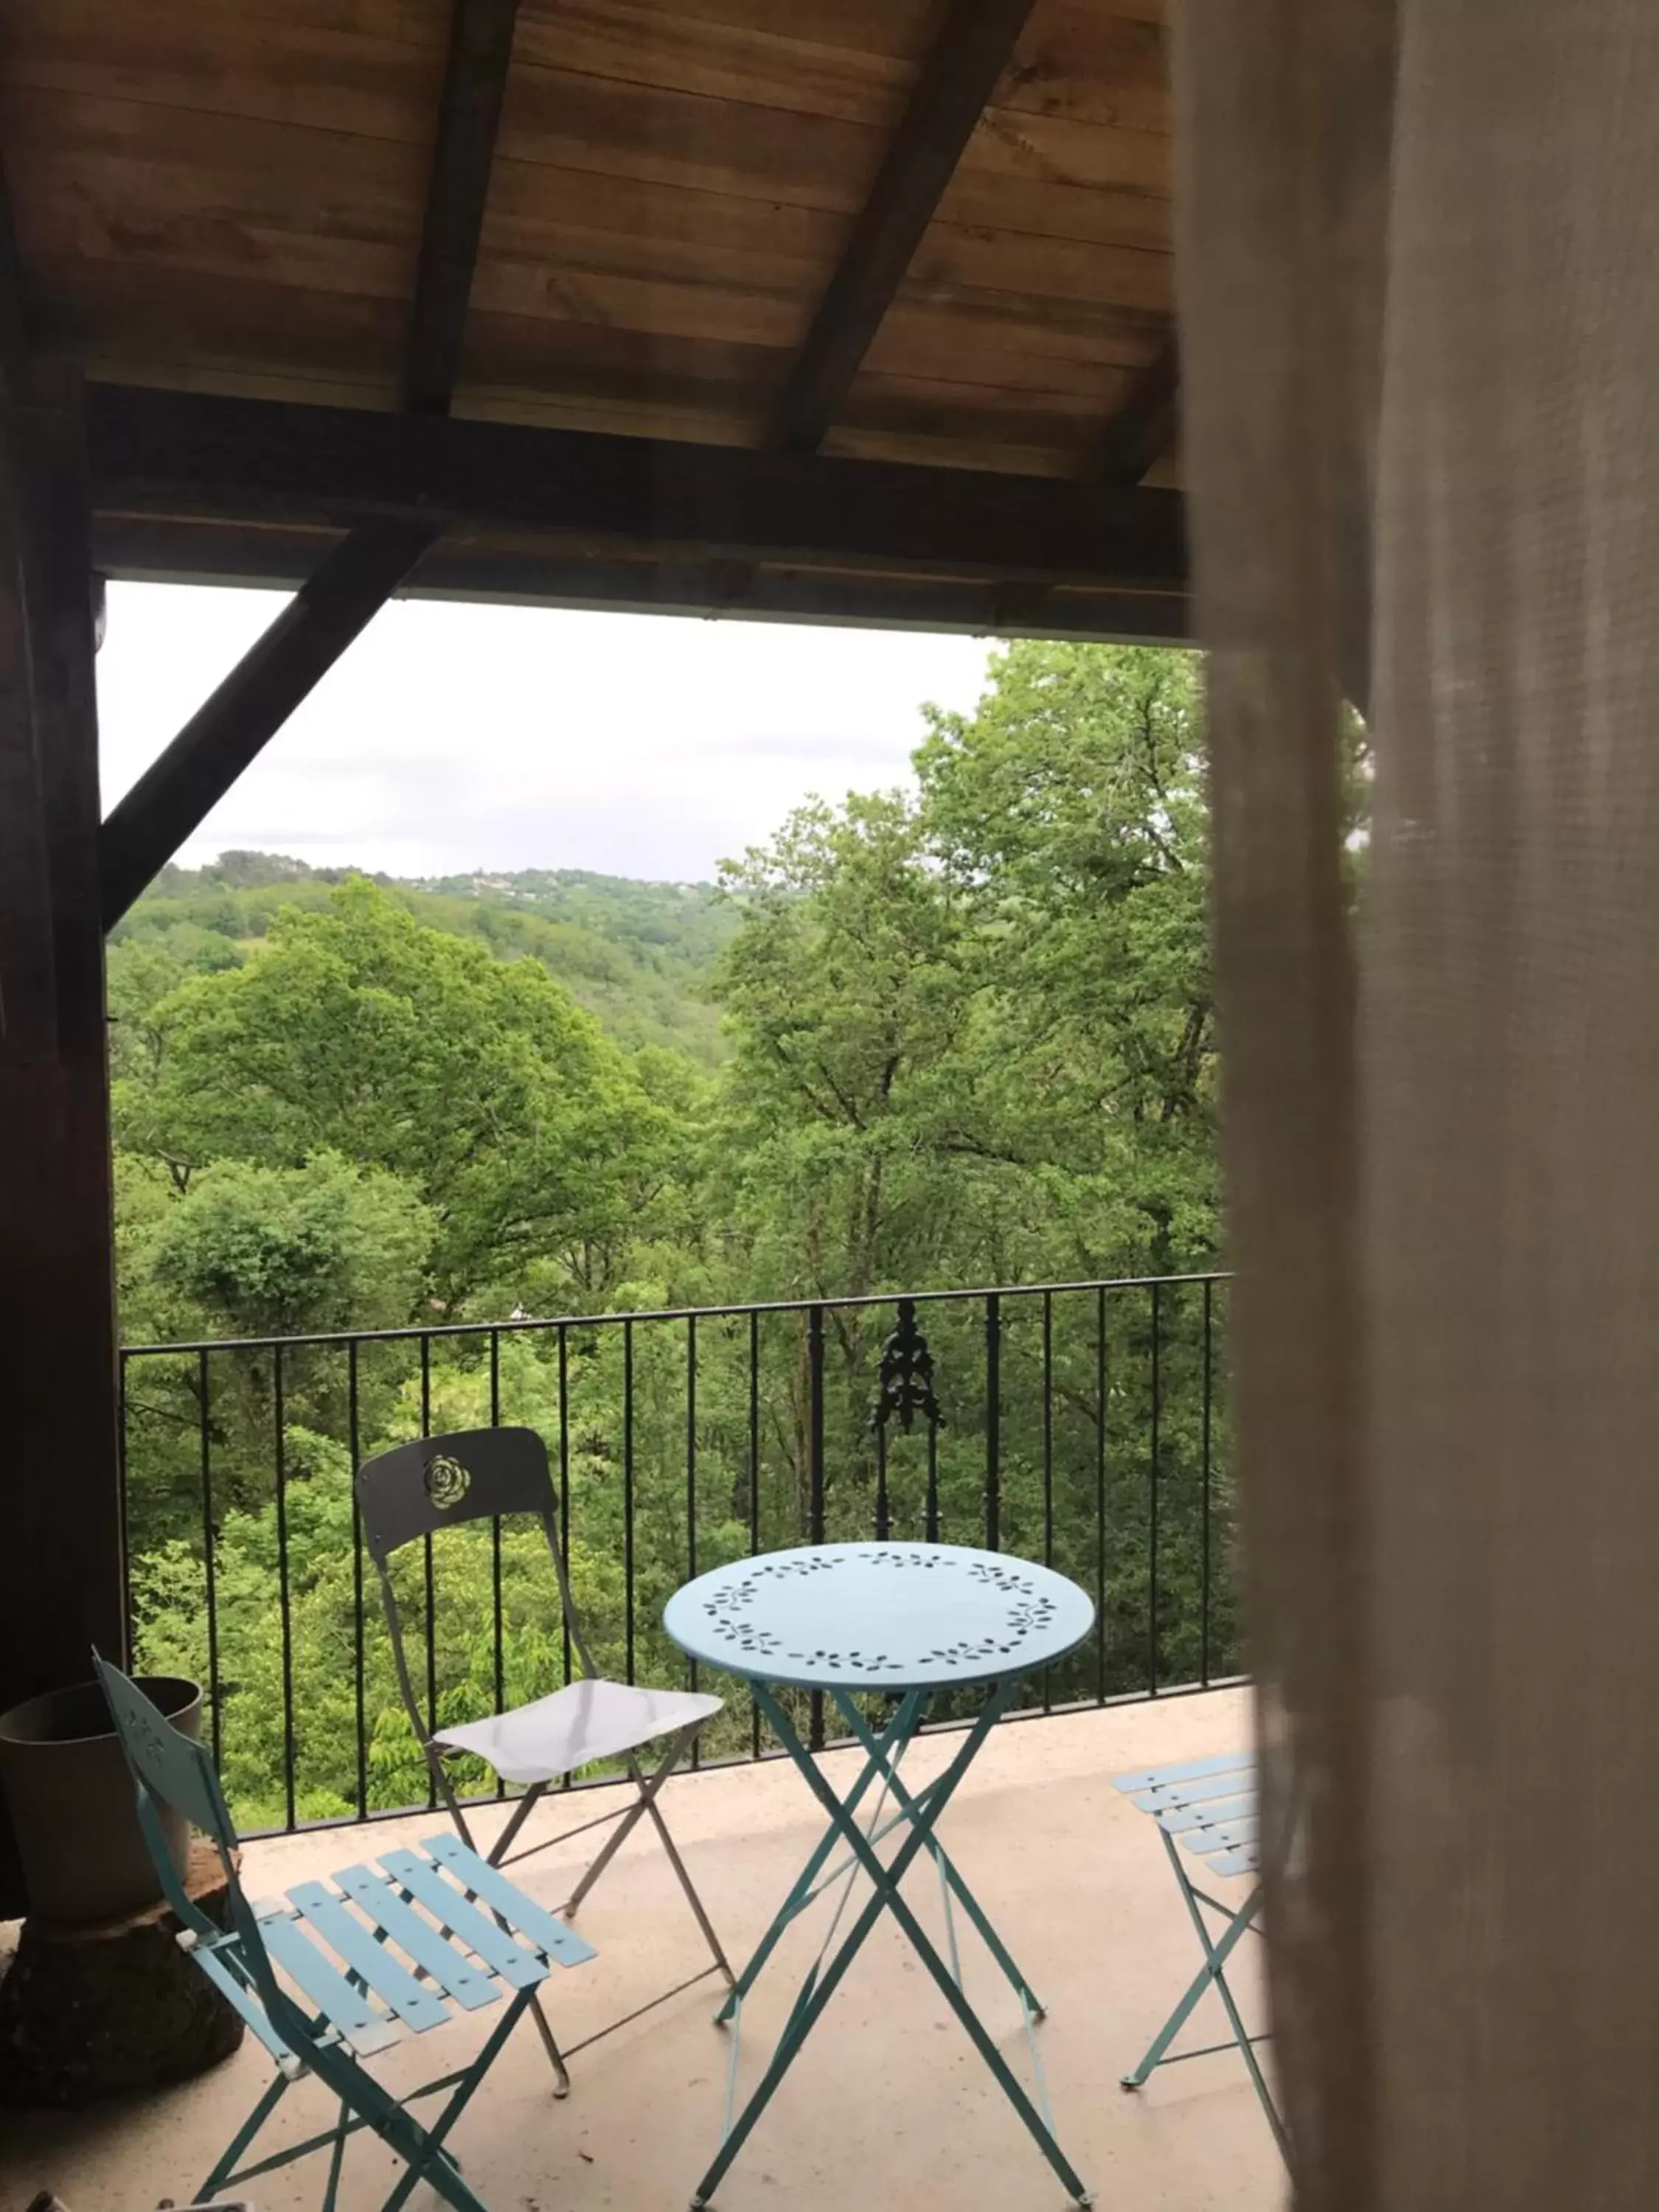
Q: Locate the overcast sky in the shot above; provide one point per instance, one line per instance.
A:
(452, 737)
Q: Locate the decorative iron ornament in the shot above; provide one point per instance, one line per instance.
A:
(905, 1386)
(446, 1481)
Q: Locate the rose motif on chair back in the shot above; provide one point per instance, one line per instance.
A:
(447, 1480)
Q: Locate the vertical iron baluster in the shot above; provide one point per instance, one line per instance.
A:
(354, 1437)
(882, 1516)
(692, 1476)
(1152, 1470)
(282, 1583)
(564, 1493)
(754, 1487)
(1047, 1462)
(815, 1468)
(498, 1659)
(1204, 1504)
(209, 1546)
(431, 1582)
(628, 1484)
(1100, 1497)
(994, 1423)
(933, 1482)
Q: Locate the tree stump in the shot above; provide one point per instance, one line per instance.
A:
(103, 2009)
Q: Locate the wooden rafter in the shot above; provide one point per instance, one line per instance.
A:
(355, 579)
(961, 73)
(481, 48)
(176, 454)
(1143, 430)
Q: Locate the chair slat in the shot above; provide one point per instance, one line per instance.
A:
(549, 1935)
(1190, 1770)
(416, 2004)
(1192, 1792)
(1243, 1862)
(493, 1945)
(243, 2001)
(366, 2030)
(1206, 1816)
(1233, 1838)
(418, 1939)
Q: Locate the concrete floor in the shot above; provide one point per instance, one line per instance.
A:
(888, 2105)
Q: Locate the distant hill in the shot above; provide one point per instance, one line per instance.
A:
(638, 956)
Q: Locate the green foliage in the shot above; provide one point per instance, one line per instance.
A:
(478, 1081)
(967, 1039)
(250, 1250)
(638, 957)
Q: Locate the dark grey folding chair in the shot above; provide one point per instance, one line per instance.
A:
(479, 1474)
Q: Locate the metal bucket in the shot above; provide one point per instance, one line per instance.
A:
(70, 1794)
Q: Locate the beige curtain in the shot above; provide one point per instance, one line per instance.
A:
(1420, 298)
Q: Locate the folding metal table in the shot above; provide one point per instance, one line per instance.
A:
(908, 1622)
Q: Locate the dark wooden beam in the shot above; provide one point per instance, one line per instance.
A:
(180, 788)
(61, 1576)
(1144, 428)
(480, 50)
(171, 454)
(145, 550)
(972, 50)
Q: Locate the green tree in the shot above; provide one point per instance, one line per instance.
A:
(479, 1081)
(250, 1250)
(1070, 814)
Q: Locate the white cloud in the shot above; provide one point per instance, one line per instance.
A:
(452, 737)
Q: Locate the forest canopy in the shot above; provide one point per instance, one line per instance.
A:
(956, 1034)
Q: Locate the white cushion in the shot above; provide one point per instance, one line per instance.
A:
(587, 1720)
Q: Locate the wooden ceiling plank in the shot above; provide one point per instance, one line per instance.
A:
(680, 50)
(1042, 329)
(1143, 429)
(687, 141)
(1040, 207)
(163, 453)
(1124, 278)
(219, 61)
(969, 56)
(530, 202)
(1090, 66)
(481, 49)
(1054, 150)
(892, 30)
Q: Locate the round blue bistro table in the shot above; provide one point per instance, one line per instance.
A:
(906, 1621)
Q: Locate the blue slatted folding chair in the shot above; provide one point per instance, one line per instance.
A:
(1207, 1807)
(343, 1970)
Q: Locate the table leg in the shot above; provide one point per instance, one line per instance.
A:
(886, 1897)
(907, 1803)
(884, 1751)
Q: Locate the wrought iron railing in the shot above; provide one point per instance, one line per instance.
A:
(1082, 1424)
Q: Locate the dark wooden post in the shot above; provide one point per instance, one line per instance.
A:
(61, 1580)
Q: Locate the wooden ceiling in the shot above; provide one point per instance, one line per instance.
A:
(930, 233)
